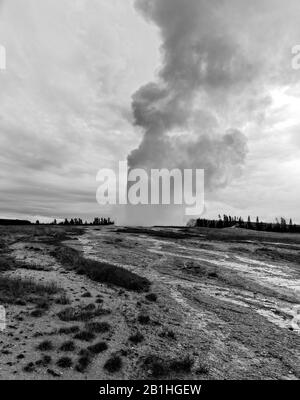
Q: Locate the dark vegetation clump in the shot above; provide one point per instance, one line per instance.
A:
(64, 362)
(69, 330)
(16, 289)
(85, 336)
(97, 327)
(82, 313)
(83, 362)
(167, 333)
(7, 263)
(30, 367)
(156, 366)
(37, 313)
(44, 361)
(143, 319)
(202, 369)
(100, 271)
(160, 368)
(68, 346)
(98, 348)
(63, 300)
(113, 364)
(136, 338)
(45, 346)
(151, 297)
(184, 365)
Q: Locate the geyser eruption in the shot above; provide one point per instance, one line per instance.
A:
(181, 130)
(210, 85)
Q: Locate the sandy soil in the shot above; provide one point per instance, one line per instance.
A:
(234, 309)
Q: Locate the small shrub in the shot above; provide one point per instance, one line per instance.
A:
(159, 367)
(52, 373)
(65, 362)
(84, 353)
(98, 347)
(168, 333)
(43, 304)
(113, 364)
(202, 369)
(20, 302)
(212, 275)
(63, 300)
(137, 338)
(85, 336)
(143, 319)
(151, 297)
(44, 361)
(98, 327)
(37, 313)
(184, 365)
(69, 330)
(45, 346)
(30, 367)
(81, 313)
(83, 363)
(156, 365)
(86, 294)
(68, 346)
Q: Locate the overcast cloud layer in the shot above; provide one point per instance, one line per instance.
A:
(221, 86)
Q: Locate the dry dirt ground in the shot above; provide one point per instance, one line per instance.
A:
(223, 305)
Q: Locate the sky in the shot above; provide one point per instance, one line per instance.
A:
(87, 81)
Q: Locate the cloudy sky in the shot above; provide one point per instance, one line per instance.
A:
(91, 82)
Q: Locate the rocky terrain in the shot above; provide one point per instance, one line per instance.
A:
(134, 303)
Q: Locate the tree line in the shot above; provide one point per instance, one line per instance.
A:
(78, 222)
(228, 221)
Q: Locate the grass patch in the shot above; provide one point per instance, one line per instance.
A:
(113, 364)
(97, 327)
(184, 365)
(159, 367)
(202, 369)
(167, 333)
(16, 289)
(82, 313)
(7, 263)
(63, 300)
(85, 336)
(100, 271)
(83, 363)
(46, 345)
(151, 297)
(30, 367)
(69, 330)
(44, 361)
(98, 348)
(143, 319)
(64, 362)
(37, 313)
(136, 338)
(68, 346)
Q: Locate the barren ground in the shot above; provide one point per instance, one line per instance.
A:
(227, 305)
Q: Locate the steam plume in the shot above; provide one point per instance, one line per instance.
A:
(220, 60)
(178, 129)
